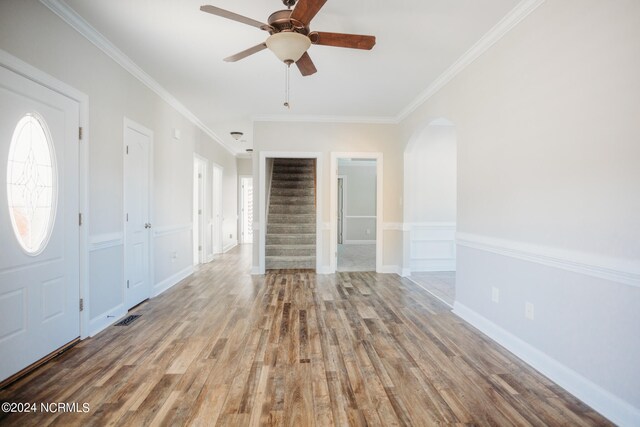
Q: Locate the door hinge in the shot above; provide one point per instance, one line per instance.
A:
(127, 217)
(199, 211)
(80, 219)
(199, 175)
(127, 149)
(80, 133)
(199, 248)
(127, 284)
(81, 304)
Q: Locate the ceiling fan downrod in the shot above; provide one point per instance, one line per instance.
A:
(289, 3)
(287, 85)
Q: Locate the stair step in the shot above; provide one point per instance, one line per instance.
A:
(293, 169)
(290, 250)
(278, 262)
(291, 209)
(309, 183)
(309, 192)
(279, 199)
(293, 176)
(291, 228)
(291, 239)
(294, 162)
(277, 218)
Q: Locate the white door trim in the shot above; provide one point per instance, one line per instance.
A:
(28, 71)
(217, 192)
(241, 237)
(128, 123)
(334, 204)
(262, 166)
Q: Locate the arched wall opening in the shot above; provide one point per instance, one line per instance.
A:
(430, 181)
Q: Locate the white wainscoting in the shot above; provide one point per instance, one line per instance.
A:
(104, 241)
(433, 246)
(105, 303)
(173, 255)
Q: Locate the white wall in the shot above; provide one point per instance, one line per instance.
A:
(360, 201)
(549, 195)
(31, 32)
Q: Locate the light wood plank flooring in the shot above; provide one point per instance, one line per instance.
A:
(294, 349)
(440, 283)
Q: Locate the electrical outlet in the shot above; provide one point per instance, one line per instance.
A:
(528, 310)
(495, 294)
(174, 256)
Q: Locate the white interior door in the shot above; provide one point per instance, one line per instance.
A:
(216, 211)
(137, 185)
(39, 236)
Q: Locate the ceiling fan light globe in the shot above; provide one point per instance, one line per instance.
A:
(288, 46)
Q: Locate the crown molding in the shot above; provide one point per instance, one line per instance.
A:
(380, 120)
(506, 24)
(71, 17)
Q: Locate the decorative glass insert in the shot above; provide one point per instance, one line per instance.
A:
(31, 183)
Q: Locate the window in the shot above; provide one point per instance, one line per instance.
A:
(31, 184)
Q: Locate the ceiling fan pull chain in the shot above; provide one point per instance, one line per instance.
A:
(287, 87)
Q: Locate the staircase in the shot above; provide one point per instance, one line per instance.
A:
(291, 223)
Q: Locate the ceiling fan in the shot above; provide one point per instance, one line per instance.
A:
(290, 36)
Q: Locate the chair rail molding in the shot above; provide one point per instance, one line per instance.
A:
(625, 271)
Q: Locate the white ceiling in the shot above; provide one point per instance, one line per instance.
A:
(182, 49)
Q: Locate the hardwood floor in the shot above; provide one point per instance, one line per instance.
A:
(295, 349)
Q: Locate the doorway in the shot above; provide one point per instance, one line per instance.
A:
(138, 145)
(246, 210)
(356, 214)
(430, 186)
(39, 225)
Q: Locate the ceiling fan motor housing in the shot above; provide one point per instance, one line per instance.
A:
(281, 21)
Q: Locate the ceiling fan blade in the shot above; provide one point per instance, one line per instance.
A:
(305, 65)
(245, 53)
(352, 41)
(234, 16)
(305, 10)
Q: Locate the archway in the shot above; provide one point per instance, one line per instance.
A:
(430, 180)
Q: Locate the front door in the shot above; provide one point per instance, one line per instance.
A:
(137, 184)
(39, 229)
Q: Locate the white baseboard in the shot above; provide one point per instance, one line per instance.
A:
(609, 405)
(255, 271)
(359, 242)
(106, 319)
(230, 246)
(171, 281)
(391, 269)
(433, 265)
(406, 272)
(325, 270)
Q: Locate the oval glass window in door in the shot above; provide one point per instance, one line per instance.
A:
(31, 183)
